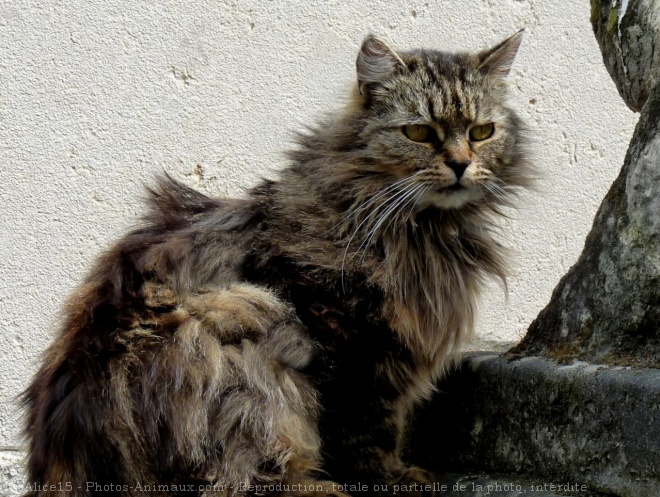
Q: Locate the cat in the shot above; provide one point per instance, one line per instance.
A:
(276, 344)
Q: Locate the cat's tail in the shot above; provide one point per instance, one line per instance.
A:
(172, 203)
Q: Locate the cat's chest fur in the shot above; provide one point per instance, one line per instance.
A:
(400, 315)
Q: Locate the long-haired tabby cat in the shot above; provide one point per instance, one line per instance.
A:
(277, 343)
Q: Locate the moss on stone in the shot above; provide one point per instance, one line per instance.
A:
(612, 20)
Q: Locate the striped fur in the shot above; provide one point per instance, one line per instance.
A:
(257, 346)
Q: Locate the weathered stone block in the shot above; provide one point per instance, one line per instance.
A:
(579, 424)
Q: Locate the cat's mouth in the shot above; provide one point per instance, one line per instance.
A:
(451, 196)
(455, 187)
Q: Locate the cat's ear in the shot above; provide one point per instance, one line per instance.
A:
(376, 63)
(499, 59)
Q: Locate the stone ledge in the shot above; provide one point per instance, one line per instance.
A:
(485, 486)
(591, 424)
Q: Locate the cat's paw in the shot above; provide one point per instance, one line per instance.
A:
(317, 489)
(413, 482)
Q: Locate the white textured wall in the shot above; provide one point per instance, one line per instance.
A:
(96, 97)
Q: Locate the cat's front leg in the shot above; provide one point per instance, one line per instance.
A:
(413, 482)
(399, 477)
(363, 449)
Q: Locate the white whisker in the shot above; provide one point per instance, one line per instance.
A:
(361, 206)
(403, 183)
(402, 200)
(377, 221)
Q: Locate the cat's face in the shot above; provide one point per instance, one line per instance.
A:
(438, 123)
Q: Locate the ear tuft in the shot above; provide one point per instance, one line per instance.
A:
(376, 63)
(499, 59)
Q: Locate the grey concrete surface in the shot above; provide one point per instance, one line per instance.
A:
(486, 486)
(558, 423)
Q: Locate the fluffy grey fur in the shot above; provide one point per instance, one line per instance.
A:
(228, 345)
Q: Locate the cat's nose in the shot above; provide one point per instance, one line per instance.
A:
(458, 167)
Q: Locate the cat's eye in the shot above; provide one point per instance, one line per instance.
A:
(482, 132)
(419, 133)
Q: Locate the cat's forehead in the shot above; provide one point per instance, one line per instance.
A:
(441, 86)
(437, 65)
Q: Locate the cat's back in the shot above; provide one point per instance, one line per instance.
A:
(160, 330)
(186, 242)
